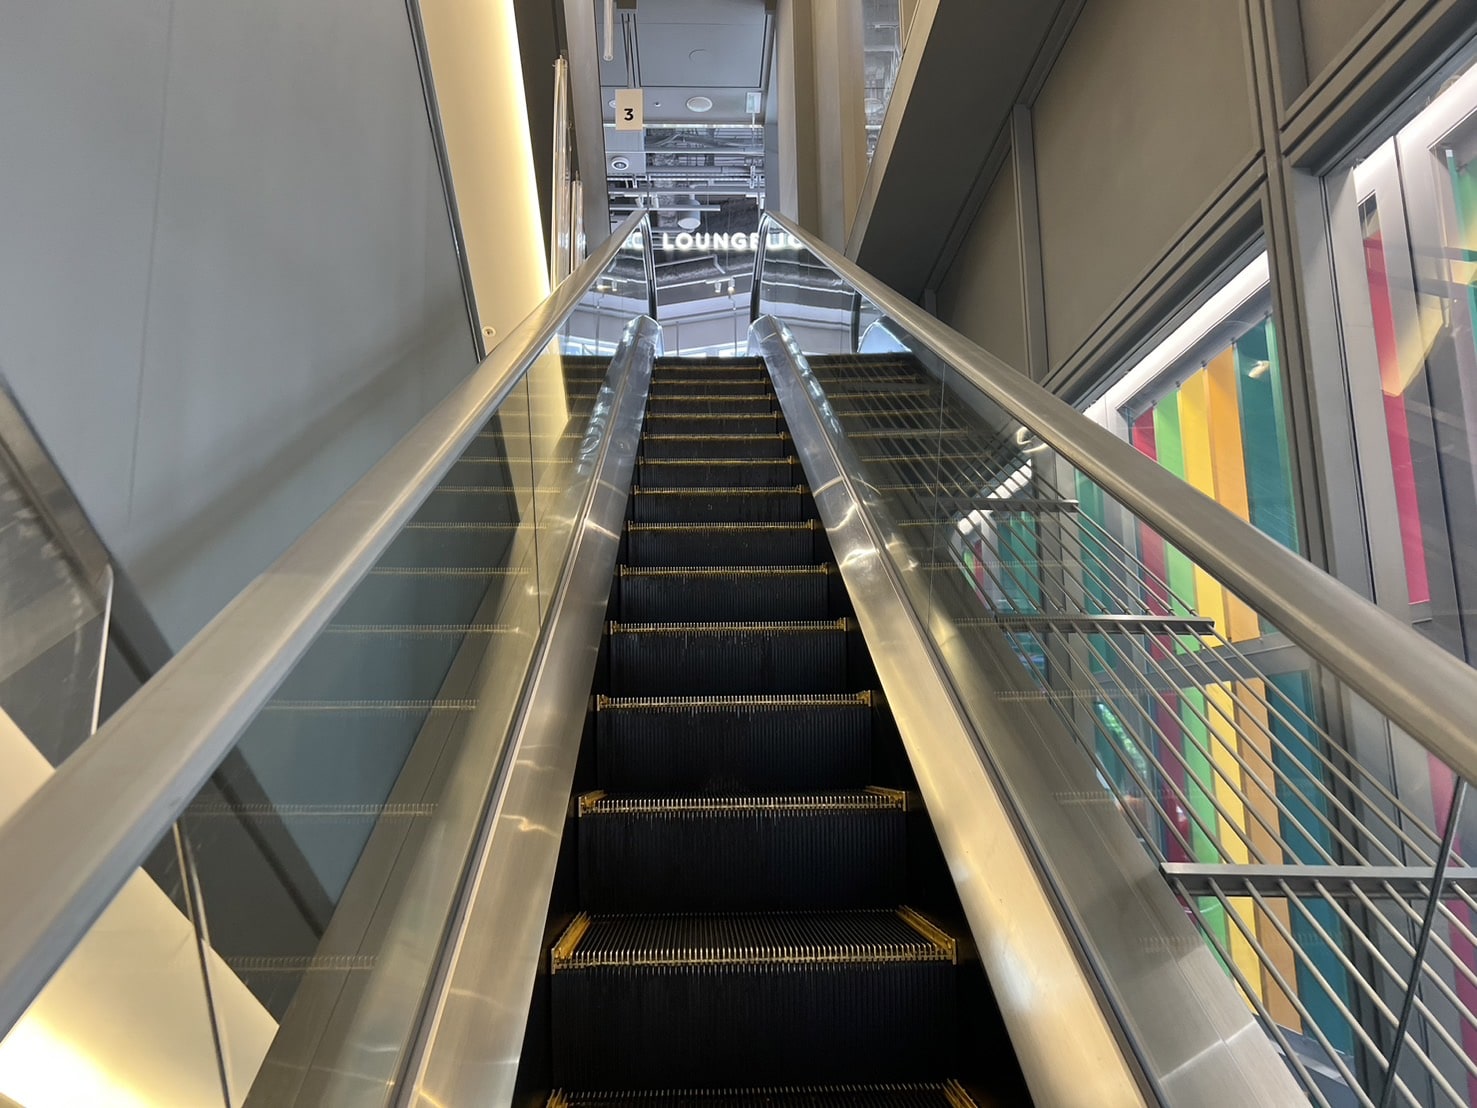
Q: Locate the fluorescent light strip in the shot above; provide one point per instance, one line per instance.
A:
(1210, 315)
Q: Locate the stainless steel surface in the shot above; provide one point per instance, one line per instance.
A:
(1062, 1033)
(561, 218)
(22, 453)
(1420, 687)
(443, 165)
(66, 852)
(475, 1029)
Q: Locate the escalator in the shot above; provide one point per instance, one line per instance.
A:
(858, 725)
(761, 909)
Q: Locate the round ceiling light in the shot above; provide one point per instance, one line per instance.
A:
(699, 104)
(689, 223)
(620, 165)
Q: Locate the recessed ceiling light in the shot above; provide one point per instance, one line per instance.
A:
(611, 103)
(699, 104)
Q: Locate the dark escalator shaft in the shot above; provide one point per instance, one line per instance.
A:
(744, 929)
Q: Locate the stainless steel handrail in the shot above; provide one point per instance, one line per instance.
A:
(70, 847)
(1420, 687)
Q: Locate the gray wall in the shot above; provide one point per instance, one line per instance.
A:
(227, 283)
(983, 289)
(1147, 112)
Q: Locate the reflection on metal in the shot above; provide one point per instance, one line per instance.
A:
(443, 166)
(475, 1029)
(1061, 1033)
(74, 843)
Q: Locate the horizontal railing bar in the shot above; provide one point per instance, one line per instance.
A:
(65, 853)
(1200, 879)
(1420, 687)
(1089, 623)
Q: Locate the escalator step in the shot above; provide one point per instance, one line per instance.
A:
(766, 998)
(714, 423)
(728, 659)
(665, 594)
(692, 473)
(691, 403)
(724, 544)
(686, 386)
(696, 380)
(946, 1094)
(750, 853)
(757, 504)
(733, 744)
(715, 446)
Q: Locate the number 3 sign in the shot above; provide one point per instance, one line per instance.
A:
(628, 109)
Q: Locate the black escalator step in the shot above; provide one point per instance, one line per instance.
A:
(727, 659)
(932, 1094)
(692, 403)
(697, 379)
(724, 544)
(754, 504)
(714, 423)
(766, 998)
(749, 853)
(735, 744)
(686, 386)
(699, 473)
(709, 593)
(699, 362)
(774, 445)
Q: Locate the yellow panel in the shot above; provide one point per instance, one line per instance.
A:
(1261, 789)
(1194, 399)
(1228, 471)
(1220, 710)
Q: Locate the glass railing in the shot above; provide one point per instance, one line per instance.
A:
(56, 589)
(290, 805)
(1249, 720)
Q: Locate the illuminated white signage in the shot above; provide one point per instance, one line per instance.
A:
(688, 242)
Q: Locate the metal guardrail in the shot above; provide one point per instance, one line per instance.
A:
(1331, 890)
(70, 847)
(1420, 687)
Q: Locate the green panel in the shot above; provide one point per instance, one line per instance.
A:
(1199, 780)
(1464, 200)
(1264, 436)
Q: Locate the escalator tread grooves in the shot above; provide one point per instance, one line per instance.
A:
(793, 939)
(869, 800)
(947, 1094)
